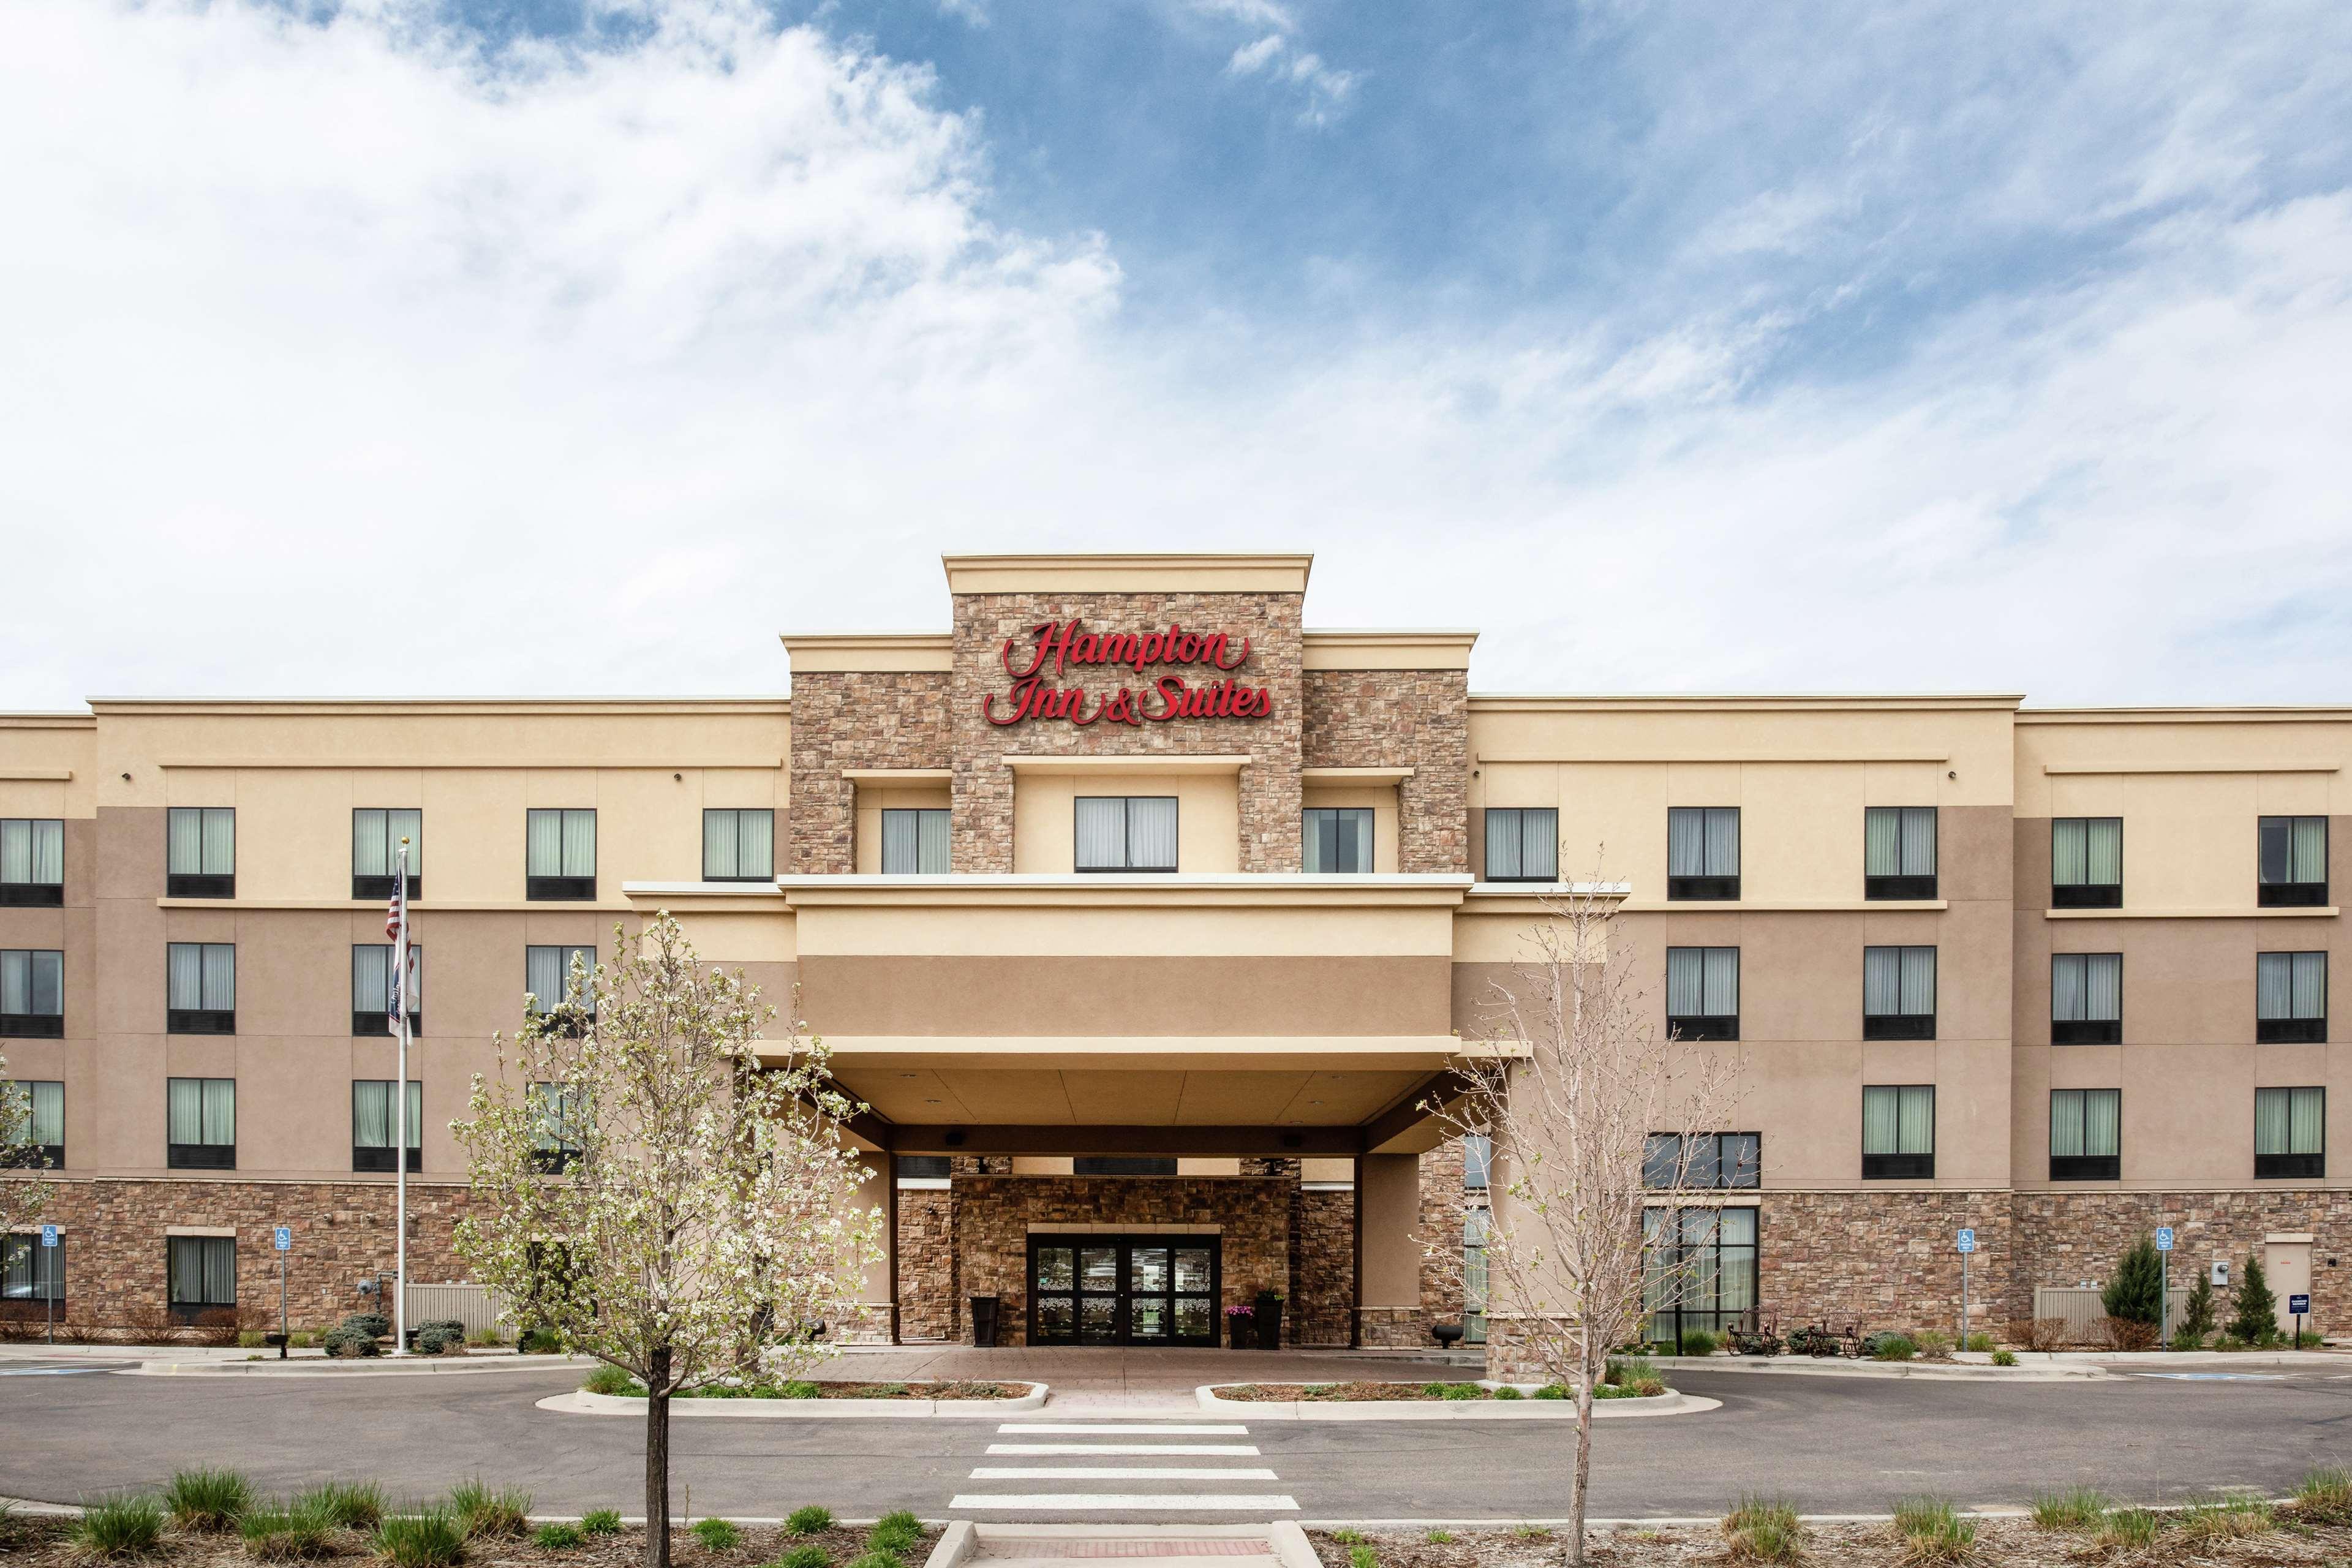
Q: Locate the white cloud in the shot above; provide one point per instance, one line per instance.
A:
(1326, 89)
(1252, 57)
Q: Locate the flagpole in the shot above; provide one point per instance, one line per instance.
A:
(400, 1145)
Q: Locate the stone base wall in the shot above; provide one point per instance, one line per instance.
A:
(926, 1294)
(1884, 1259)
(1323, 1281)
(2065, 1238)
(1394, 1328)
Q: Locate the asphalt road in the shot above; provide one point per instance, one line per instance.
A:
(1831, 1445)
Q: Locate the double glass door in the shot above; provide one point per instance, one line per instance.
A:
(1123, 1290)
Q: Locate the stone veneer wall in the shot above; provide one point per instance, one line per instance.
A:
(1323, 1274)
(927, 1292)
(2064, 1238)
(1401, 718)
(1884, 1259)
(992, 1216)
(983, 786)
(898, 720)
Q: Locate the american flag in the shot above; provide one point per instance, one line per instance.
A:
(395, 917)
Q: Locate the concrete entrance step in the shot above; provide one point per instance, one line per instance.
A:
(1279, 1545)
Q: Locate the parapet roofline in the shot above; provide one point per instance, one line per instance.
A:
(1509, 701)
(1203, 573)
(475, 706)
(2203, 714)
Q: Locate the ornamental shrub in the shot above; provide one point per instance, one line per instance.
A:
(432, 1537)
(285, 1533)
(374, 1325)
(809, 1520)
(2135, 1291)
(208, 1500)
(895, 1531)
(2196, 1313)
(2256, 1318)
(601, 1521)
(557, 1537)
(718, 1535)
(118, 1527)
(354, 1505)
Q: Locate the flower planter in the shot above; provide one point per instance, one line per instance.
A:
(1238, 1324)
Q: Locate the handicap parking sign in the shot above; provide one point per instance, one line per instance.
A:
(49, 1235)
(1968, 1239)
(2163, 1238)
(285, 1238)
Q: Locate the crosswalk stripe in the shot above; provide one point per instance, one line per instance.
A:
(1243, 1449)
(1118, 1472)
(1171, 1428)
(1139, 1502)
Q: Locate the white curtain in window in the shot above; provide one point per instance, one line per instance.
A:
(2103, 985)
(1686, 842)
(2311, 985)
(1881, 841)
(543, 975)
(1502, 845)
(184, 1110)
(33, 851)
(543, 846)
(1881, 1119)
(1722, 841)
(15, 982)
(1882, 982)
(1722, 981)
(2103, 1112)
(2070, 861)
(719, 842)
(371, 1114)
(2103, 851)
(407, 822)
(2067, 987)
(220, 1110)
(220, 841)
(2308, 854)
(369, 841)
(220, 976)
(371, 973)
(902, 842)
(1918, 841)
(2065, 1123)
(1918, 980)
(1102, 833)
(755, 843)
(1686, 981)
(184, 969)
(2291, 985)
(184, 829)
(2307, 1128)
(1539, 843)
(1916, 1133)
(578, 844)
(1151, 833)
(931, 856)
(48, 1107)
(202, 1271)
(2273, 1115)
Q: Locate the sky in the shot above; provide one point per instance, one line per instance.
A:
(479, 347)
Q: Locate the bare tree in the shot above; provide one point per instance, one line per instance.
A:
(1592, 1110)
(655, 1185)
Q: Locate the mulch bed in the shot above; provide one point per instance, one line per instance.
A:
(40, 1542)
(949, 1389)
(2000, 1543)
(1337, 1393)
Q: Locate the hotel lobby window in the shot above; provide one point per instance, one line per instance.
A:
(200, 988)
(1522, 844)
(200, 852)
(2086, 999)
(1703, 852)
(32, 994)
(200, 1114)
(915, 842)
(738, 845)
(2290, 998)
(1898, 993)
(1126, 833)
(1703, 993)
(1898, 852)
(1898, 1131)
(34, 1273)
(1337, 838)
(376, 833)
(1701, 1160)
(32, 861)
(200, 1275)
(2086, 863)
(2290, 1134)
(2292, 861)
(560, 854)
(2086, 1134)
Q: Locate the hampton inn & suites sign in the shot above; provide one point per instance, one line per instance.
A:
(1041, 669)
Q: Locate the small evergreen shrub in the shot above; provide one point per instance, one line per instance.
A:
(2135, 1291)
(2256, 1318)
(557, 1537)
(344, 1340)
(808, 1554)
(2324, 1498)
(374, 1325)
(2074, 1509)
(718, 1535)
(441, 1336)
(2196, 1313)
(353, 1505)
(118, 1527)
(484, 1512)
(601, 1521)
(1764, 1530)
(432, 1537)
(1507, 1391)
(207, 1499)
(287, 1532)
(1552, 1391)
(808, 1520)
(1934, 1531)
(2004, 1357)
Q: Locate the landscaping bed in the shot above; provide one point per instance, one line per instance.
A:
(1362, 1392)
(45, 1543)
(606, 1381)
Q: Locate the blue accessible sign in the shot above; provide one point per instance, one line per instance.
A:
(2163, 1238)
(49, 1235)
(285, 1238)
(1968, 1241)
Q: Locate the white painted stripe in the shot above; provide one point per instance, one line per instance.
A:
(1121, 1502)
(1125, 1472)
(1245, 1450)
(1171, 1428)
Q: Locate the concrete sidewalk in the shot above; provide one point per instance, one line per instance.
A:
(1135, 1378)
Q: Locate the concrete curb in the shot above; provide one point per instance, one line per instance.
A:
(1808, 1366)
(580, 1402)
(1671, 1403)
(962, 1540)
(380, 1367)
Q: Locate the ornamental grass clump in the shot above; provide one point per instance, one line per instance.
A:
(287, 1532)
(1933, 1532)
(2129, 1531)
(808, 1554)
(557, 1537)
(718, 1535)
(1363, 1557)
(1764, 1530)
(2074, 1509)
(118, 1527)
(485, 1513)
(352, 1505)
(207, 1499)
(610, 1380)
(601, 1521)
(2209, 1524)
(810, 1520)
(897, 1531)
(432, 1537)
(2324, 1498)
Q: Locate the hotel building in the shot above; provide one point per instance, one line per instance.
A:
(1145, 917)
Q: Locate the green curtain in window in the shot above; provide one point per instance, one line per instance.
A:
(1881, 1117)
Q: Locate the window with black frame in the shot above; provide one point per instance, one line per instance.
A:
(2290, 998)
(739, 845)
(375, 1127)
(32, 994)
(1522, 844)
(915, 840)
(2086, 999)
(1898, 852)
(1477, 1162)
(1477, 1225)
(200, 1275)
(2292, 862)
(1698, 1269)
(1703, 993)
(200, 852)
(1898, 993)
(560, 854)
(559, 1117)
(200, 1114)
(38, 1141)
(1337, 840)
(200, 988)
(1701, 1161)
(2291, 1133)
(561, 981)
(2086, 1127)
(1125, 832)
(1703, 852)
(924, 1171)
(371, 988)
(376, 833)
(33, 1277)
(32, 861)
(1898, 1131)
(2086, 863)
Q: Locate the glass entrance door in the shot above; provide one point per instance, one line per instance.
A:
(1123, 1290)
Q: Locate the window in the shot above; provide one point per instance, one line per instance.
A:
(1477, 1162)
(560, 855)
(1126, 832)
(200, 979)
(201, 1273)
(740, 845)
(1898, 1131)
(201, 1113)
(1898, 852)
(1475, 1223)
(1703, 852)
(1123, 1165)
(1338, 840)
(561, 1114)
(370, 988)
(547, 976)
(373, 1124)
(32, 994)
(34, 1275)
(2086, 863)
(40, 1138)
(32, 861)
(2086, 1134)
(915, 842)
(2086, 999)
(376, 833)
(200, 846)
(2290, 1133)
(2290, 997)
(1898, 993)
(1522, 844)
(1701, 1160)
(2293, 861)
(1698, 1269)
(1703, 993)
(924, 1170)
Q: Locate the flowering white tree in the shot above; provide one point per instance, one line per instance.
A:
(664, 1189)
(22, 1198)
(1594, 1113)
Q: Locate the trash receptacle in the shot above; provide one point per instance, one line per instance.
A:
(983, 1321)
